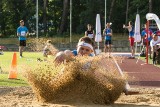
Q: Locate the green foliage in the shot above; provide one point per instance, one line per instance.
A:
(83, 12)
(30, 60)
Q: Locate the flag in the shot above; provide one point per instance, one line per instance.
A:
(137, 36)
(98, 36)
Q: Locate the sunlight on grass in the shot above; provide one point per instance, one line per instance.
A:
(29, 59)
(150, 61)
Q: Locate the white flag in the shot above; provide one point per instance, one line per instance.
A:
(137, 35)
(98, 37)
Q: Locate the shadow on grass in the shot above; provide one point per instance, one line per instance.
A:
(13, 82)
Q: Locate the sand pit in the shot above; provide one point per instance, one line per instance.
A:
(79, 80)
(24, 97)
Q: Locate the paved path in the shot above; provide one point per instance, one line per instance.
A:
(146, 75)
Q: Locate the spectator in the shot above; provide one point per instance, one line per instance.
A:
(91, 34)
(107, 33)
(144, 38)
(154, 46)
(131, 38)
(22, 33)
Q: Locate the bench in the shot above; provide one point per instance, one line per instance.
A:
(2, 48)
(9, 47)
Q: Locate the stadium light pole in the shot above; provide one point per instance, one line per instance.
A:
(105, 13)
(70, 22)
(37, 19)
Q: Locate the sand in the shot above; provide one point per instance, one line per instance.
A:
(24, 97)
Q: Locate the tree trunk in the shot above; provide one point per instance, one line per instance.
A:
(111, 9)
(44, 15)
(0, 16)
(64, 16)
(150, 6)
(127, 11)
(2, 20)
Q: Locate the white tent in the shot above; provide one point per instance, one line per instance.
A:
(152, 16)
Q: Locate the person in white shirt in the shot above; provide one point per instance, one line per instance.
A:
(155, 45)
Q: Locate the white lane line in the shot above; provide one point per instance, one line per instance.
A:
(120, 71)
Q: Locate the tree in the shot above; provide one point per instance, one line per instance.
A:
(54, 14)
(111, 9)
(1, 17)
(150, 6)
(127, 11)
(45, 15)
(64, 16)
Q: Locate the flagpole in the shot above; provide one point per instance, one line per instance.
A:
(136, 48)
(147, 42)
(98, 47)
(105, 12)
(136, 41)
(70, 23)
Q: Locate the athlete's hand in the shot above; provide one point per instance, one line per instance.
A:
(124, 25)
(109, 34)
(60, 58)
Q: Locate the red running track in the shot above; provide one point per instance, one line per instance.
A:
(146, 75)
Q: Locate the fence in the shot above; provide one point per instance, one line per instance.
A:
(12, 45)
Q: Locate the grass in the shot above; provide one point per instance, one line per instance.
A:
(30, 58)
(149, 61)
(4, 81)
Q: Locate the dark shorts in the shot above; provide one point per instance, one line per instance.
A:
(22, 43)
(108, 42)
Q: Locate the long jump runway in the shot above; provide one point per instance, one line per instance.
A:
(140, 74)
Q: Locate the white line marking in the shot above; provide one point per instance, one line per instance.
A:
(120, 71)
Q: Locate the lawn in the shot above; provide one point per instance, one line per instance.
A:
(20, 81)
(30, 58)
(150, 61)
